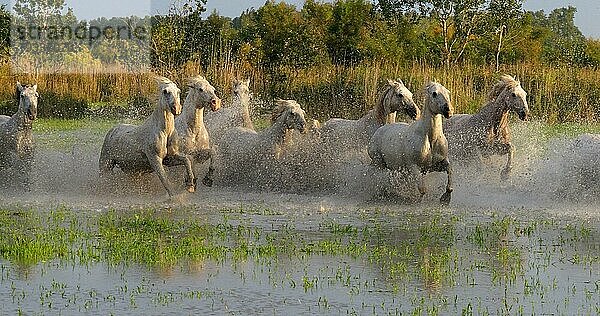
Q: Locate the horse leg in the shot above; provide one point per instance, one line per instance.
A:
(157, 166)
(445, 166)
(509, 149)
(421, 185)
(190, 179)
(208, 178)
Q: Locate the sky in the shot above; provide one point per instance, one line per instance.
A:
(587, 17)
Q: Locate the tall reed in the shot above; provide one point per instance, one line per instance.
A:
(556, 94)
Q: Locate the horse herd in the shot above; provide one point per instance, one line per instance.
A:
(184, 135)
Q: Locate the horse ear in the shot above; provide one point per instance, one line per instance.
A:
(390, 82)
(400, 81)
(247, 82)
(34, 87)
(19, 86)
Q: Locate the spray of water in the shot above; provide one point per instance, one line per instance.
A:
(546, 174)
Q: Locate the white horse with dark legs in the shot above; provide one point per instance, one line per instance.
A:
(238, 114)
(420, 146)
(487, 133)
(192, 136)
(142, 149)
(355, 134)
(244, 151)
(16, 138)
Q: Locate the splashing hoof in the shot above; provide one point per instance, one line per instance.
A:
(191, 189)
(207, 182)
(191, 185)
(446, 197)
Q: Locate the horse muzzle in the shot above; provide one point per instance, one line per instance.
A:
(414, 113)
(31, 115)
(215, 104)
(175, 110)
(523, 115)
(447, 112)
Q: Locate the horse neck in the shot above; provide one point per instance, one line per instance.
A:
(276, 133)
(431, 125)
(379, 112)
(20, 121)
(242, 103)
(192, 116)
(492, 113)
(164, 119)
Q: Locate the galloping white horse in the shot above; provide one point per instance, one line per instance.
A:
(238, 114)
(355, 134)
(192, 136)
(421, 144)
(16, 139)
(487, 133)
(141, 149)
(243, 143)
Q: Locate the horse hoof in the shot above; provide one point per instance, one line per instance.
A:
(445, 199)
(207, 182)
(191, 189)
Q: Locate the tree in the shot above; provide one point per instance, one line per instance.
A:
(4, 32)
(504, 18)
(174, 36)
(348, 30)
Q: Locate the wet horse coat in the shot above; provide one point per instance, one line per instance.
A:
(141, 149)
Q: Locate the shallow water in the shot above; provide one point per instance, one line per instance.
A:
(527, 245)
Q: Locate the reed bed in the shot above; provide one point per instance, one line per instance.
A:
(556, 94)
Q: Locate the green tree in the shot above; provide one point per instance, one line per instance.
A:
(4, 32)
(566, 43)
(349, 30)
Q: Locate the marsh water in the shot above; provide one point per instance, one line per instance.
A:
(75, 244)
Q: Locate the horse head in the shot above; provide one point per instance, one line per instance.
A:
(27, 96)
(203, 93)
(169, 95)
(241, 89)
(397, 98)
(516, 100)
(290, 114)
(438, 100)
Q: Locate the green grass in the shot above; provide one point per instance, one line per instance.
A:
(437, 252)
(569, 129)
(61, 125)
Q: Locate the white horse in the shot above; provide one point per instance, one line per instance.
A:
(16, 138)
(238, 114)
(142, 149)
(421, 144)
(192, 136)
(355, 134)
(255, 158)
(242, 143)
(487, 133)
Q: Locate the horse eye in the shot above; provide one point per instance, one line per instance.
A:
(434, 94)
(514, 94)
(165, 92)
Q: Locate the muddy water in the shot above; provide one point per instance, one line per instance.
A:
(556, 272)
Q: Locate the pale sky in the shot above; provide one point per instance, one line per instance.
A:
(587, 17)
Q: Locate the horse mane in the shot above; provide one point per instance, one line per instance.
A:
(18, 92)
(506, 81)
(163, 82)
(384, 100)
(282, 107)
(196, 81)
